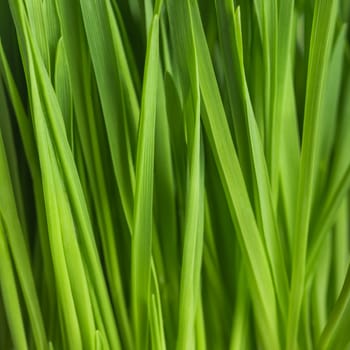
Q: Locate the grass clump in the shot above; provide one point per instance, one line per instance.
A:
(174, 174)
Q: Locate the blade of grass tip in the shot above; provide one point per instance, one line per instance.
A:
(97, 314)
(10, 295)
(100, 341)
(142, 233)
(217, 129)
(336, 314)
(156, 317)
(320, 47)
(19, 251)
(155, 336)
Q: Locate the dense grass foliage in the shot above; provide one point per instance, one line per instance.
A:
(174, 174)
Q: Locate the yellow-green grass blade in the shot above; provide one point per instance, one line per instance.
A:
(267, 17)
(320, 48)
(240, 321)
(319, 291)
(19, 250)
(338, 182)
(143, 209)
(216, 127)
(63, 89)
(330, 116)
(336, 314)
(23, 122)
(27, 138)
(233, 84)
(10, 294)
(55, 235)
(37, 23)
(6, 128)
(326, 220)
(284, 30)
(112, 75)
(70, 276)
(52, 28)
(200, 325)
(340, 248)
(87, 120)
(193, 226)
(166, 213)
(156, 317)
(289, 164)
(56, 128)
(266, 217)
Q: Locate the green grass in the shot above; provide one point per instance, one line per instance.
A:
(174, 174)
